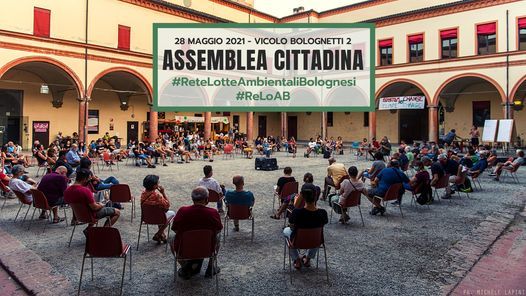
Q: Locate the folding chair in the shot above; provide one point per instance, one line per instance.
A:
(105, 242)
(306, 238)
(476, 181)
(288, 189)
(511, 173)
(352, 200)
(83, 215)
(40, 202)
(23, 201)
(442, 183)
(392, 194)
(196, 244)
(121, 193)
(153, 215)
(228, 151)
(238, 212)
(44, 166)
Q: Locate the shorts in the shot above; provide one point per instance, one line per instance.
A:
(57, 202)
(105, 212)
(375, 192)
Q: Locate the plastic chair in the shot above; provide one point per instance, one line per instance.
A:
(153, 215)
(44, 166)
(108, 161)
(40, 202)
(121, 193)
(238, 212)
(213, 196)
(442, 183)
(418, 190)
(511, 173)
(353, 200)
(23, 201)
(105, 242)
(288, 189)
(306, 238)
(228, 151)
(196, 244)
(392, 194)
(83, 215)
(5, 191)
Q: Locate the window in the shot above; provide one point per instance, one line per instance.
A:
(416, 48)
(522, 33)
(386, 52)
(365, 119)
(481, 112)
(330, 117)
(41, 20)
(124, 38)
(487, 38)
(449, 39)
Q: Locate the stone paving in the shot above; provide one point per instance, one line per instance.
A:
(414, 255)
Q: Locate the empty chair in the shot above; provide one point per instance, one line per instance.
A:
(153, 215)
(306, 238)
(196, 244)
(121, 193)
(228, 151)
(353, 200)
(238, 212)
(105, 242)
(83, 215)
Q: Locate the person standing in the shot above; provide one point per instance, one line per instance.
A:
(474, 134)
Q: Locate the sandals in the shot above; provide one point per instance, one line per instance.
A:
(60, 219)
(297, 263)
(306, 261)
(274, 217)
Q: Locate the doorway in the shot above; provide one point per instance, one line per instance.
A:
(292, 126)
(132, 133)
(262, 126)
(413, 125)
(10, 115)
(41, 132)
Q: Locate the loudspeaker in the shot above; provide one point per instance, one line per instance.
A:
(266, 164)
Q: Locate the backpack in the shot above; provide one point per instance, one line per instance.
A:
(426, 196)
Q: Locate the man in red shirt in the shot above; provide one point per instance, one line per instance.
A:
(195, 217)
(79, 193)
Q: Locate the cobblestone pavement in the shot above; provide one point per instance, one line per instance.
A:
(414, 255)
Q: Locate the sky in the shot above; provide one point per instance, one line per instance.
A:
(281, 8)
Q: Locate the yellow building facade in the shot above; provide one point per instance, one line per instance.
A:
(86, 66)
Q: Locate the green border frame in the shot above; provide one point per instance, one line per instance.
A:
(372, 62)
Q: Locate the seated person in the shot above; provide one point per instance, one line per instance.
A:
(335, 174)
(79, 193)
(293, 146)
(53, 186)
(96, 182)
(376, 167)
(346, 188)
(267, 148)
(40, 155)
(181, 148)
(154, 195)
(61, 161)
(479, 166)
(212, 184)
(510, 165)
(308, 183)
(452, 168)
(72, 157)
(420, 182)
(387, 177)
(141, 155)
(311, 146)
(247, 149)
(385, 146)
(450, 137)
(239, 196)
(364, 147)
(18, 184)
(308, 217)
(287, 177)
(195, 217)
(374, 147)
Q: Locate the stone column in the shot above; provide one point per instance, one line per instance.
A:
(372, 125)
(83, 120)
(433, 123)
(284, 125)
(250, 126)
(153, 124)
(323, 125)
(208, 124)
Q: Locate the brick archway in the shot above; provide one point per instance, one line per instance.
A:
(75, 79)
(403, 80)
(122, 69)
(460, 76)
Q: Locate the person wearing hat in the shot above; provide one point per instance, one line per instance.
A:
(387, 177)
(196, 217)
(154, 195)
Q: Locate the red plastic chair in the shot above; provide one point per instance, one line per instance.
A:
(5, 192)
(109, 161)
(153, 215)
(238, 212)
(306, 238)
(40, 202)
(442, 183)
(392, 194)
(213, 196)
(121, 193)
(105, 242)
(83, 215)
(353, 200)
(196, 244)
(23, 201)
(288, 189)
(228, 150)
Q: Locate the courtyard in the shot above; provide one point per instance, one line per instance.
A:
(424, 253)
